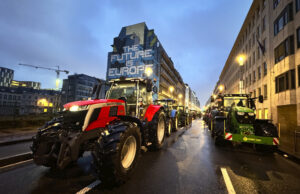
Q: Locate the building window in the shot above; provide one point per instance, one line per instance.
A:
(259, 91)
(253, 58)
(254, 93)
(265, 68)
(298, 37)
(297, 5)
(264, 23)
(275, 3)
(266, 113)
(264, 45)
(285, 81)
(285, 17)
(258, 73)
(250, 79)
(264, 4)
(265, 92)
(254, 76)
(284, 49)
(298, 75)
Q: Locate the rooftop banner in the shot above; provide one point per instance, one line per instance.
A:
(131, 63)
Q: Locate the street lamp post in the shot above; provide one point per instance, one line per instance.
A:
(241, 60)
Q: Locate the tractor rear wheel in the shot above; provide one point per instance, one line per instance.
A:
(169, 128)
(157, 130)
(116, 156)
(175, 123)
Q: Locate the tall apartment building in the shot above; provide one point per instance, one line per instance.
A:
(137, 48)
(270, 41)
(6, 76)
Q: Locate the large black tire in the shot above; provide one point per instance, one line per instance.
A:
(217, 132)
(157, 130)
(175, 123)
(169, 127)
(114, 157)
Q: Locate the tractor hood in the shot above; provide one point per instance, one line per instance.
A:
(243, 109)
(91, 102)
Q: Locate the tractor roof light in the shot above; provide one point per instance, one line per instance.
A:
(148, 71)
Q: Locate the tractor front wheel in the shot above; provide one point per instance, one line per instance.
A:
(116, 156)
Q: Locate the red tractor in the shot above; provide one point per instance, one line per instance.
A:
(113, 129)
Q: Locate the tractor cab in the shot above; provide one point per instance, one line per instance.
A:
(167, 103)
(137, 93)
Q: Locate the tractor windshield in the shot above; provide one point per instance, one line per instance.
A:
(238, 101)
(127, 90)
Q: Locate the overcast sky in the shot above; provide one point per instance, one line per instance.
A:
(76, 35)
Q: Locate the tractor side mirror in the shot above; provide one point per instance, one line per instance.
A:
(260, 98)
(149, 85)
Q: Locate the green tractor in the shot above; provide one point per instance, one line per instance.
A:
(233, 119)
(184, 118)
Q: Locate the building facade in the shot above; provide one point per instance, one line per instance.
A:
(26, 84)
(136, 49)
(6, 76)
(23, 101)
(265, 61)
(80, 87)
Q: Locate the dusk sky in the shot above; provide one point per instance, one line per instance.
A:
(76, 35)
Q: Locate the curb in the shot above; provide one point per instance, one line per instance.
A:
(15, 159)
(4, 143)
(290, 156)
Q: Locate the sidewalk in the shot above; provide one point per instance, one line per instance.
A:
(17, 134)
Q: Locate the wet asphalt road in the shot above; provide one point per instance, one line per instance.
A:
(188, 163)
(19, 148)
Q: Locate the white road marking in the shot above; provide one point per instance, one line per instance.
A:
(227, 180)
(15, 164)
(89, 187)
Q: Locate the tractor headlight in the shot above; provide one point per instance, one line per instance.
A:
(75, 108)
(251, 114)
(240, 113)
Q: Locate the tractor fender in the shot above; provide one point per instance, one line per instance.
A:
(151, 110)
(131, 119)
(173, 113)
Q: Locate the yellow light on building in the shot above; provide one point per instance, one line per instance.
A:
(50, 104)
(171, 89)
(45, 110)
(42, 102)
(180, 96)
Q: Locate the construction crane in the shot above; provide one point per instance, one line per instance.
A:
(51, 69)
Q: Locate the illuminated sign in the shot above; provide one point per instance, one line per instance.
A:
(131, 63)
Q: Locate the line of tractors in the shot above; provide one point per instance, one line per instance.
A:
(232, 118)
(113, 129)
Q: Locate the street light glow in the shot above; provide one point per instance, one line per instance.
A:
(180, 96)
(148, 71)
(241, 58)
(171, 88)
(221, 88)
